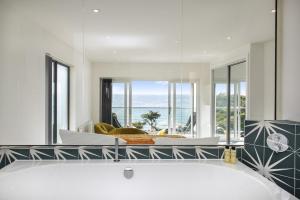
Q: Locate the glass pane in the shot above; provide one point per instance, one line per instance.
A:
(150, 105)
(221, 99)
(118, 104)
(52, 98)
(184, 101)
(238, 99)
(62, 98)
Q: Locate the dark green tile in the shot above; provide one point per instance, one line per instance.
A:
(207, 152)
(254, 134)
(285, 183)
(21, 153)
(92, 153)
(297, 193)
(109, 152)
(2, 162)
(297, 160)
(297, 143)
(137, 153)
(283, 162)
(298, 129)
(239, 152)
(66, 153)
(160, 152)
(253, 154)
(41, 153)
(184, 153)
(221, 152)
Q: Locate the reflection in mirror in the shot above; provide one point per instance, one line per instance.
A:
(147, 72)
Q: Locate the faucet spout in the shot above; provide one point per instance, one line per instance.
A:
(116, 150)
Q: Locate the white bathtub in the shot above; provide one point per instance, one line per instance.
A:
(152, 180)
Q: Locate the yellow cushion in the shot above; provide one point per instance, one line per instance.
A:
(120, 131)
(108, 127)
(103, 128)
(162, 132)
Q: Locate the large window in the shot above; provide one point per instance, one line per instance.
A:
(230, 97)
(155, 105)
(58, 99)
(119, 102)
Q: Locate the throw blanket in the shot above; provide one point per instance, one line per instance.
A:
(143, 138)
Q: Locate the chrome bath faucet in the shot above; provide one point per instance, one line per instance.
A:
(116, 150)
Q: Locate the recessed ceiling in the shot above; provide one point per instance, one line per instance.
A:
(144, 31)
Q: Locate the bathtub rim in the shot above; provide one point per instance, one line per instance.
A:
(20, 165)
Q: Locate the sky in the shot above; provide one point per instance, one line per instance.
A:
(151, 88)
(161, 88)
(222, 88)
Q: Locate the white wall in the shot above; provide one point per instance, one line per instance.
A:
(260, 59)
(158, 71)
(289, 64)
(22, 79)
(261, 80)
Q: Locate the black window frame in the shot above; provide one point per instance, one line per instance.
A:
(51, 130)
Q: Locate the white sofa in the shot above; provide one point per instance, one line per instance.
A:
(84, 138)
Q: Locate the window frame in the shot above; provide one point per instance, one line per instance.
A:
(228, 92)
(51, 129)
(171, 100)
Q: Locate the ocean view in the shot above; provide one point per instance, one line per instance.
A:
(142, 104)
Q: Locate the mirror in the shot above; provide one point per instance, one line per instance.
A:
(148, 72)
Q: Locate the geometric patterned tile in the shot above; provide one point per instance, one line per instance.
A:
(254, 133)
(10, 154)
(282, 163)
(297, 145)
(160, 152)
(289, 131)
(253, 157)
(89, 152)
(108, 152)
(297, 193)
(66, 153)
(41, 153)
(137, 152)
(203, 152)
(286, 183)
(283, 168)
(181, 152)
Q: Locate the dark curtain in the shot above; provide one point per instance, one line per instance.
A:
(106, 100)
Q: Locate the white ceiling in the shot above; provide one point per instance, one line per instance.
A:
(154, 30)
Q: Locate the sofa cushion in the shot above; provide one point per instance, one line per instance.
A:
(120, 131)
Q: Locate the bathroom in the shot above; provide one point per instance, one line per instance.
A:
(139, 99)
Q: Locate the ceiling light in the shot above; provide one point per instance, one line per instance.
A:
(96, 10)
(108, 37)
(273, 11)
(228, 38)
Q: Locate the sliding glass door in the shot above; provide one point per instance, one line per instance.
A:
(58, 99)
(229, 102)
(155, 106)
(150, 105)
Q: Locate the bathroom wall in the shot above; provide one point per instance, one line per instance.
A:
(289, 59)
(22, 78)
(283, 168)
(260, 58)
